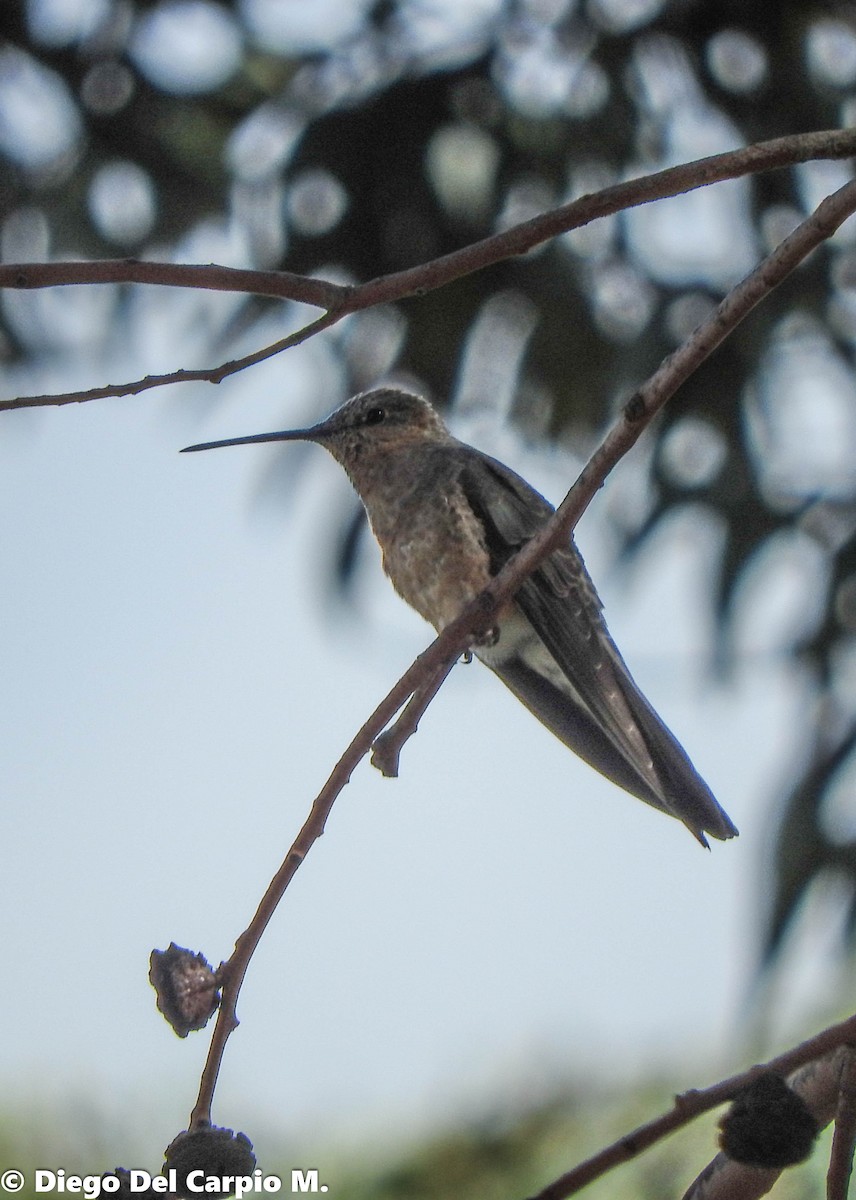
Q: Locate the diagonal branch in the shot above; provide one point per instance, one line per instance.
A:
(844, 1138)
(338, 300)
(643, 406)
(673, 181)
(800, 1064)
(818, 1083)
(477, 616)
(235, 969)
(210, 375)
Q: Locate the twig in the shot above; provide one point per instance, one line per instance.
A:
(387, 746)
(282, 285)
(692, 1104)
(675, 369)
(818, 1084)
(477, 616)
(732, 164)
(339, 300)
(643, 406)
(844, 1138)
(235, 969)
(208, 375)
(673, 181)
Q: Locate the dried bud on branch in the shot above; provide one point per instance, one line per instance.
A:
(188, 991)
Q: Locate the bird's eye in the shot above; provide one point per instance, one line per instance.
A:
(375, 415)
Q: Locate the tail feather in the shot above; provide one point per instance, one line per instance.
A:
(683, 794)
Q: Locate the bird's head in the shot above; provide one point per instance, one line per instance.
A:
(371, 423)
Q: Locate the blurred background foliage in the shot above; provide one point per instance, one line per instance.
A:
(504, 1155)
(351, 139)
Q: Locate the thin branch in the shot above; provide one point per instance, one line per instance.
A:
(818, 1084)
(339, 301)
(235, 969)
(844, 1138)
(643, 406)
(386, 748)
(212, 277)
(477, 616)
(212, 375)
(673, 181)
(692, 1104)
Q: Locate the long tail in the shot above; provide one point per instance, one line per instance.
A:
(677, 788)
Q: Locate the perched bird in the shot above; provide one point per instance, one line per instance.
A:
(447, 518)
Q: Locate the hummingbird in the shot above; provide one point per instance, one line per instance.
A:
(447, 518)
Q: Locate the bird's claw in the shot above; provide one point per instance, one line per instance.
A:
(489, 638)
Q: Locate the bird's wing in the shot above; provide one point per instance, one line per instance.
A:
(592, 702)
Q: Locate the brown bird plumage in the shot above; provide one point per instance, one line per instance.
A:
(447, 518)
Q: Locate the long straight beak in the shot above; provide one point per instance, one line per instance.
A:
(286, 435)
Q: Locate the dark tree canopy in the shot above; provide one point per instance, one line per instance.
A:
(365, 138)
